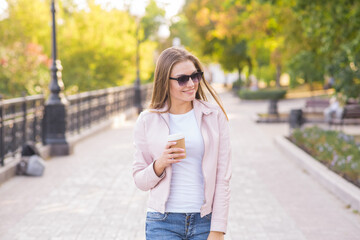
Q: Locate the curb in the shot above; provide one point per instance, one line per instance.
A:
(343, 189)
(9, 170)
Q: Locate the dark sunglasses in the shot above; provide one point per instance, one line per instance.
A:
(182, 80)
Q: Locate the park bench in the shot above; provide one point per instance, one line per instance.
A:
(316, 105)
(351, 115)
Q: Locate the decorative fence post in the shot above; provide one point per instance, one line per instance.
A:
(24, 122)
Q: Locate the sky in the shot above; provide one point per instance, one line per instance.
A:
(137, 8)
(3, 5)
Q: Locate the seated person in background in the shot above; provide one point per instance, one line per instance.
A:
(334, 110)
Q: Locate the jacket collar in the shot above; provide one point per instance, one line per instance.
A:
(201, 106)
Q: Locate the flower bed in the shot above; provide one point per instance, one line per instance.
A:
(338, 151)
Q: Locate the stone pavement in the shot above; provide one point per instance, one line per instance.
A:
(91, 194)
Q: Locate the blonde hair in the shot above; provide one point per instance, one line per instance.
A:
(161, 88)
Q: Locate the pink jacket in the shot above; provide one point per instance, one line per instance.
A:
(150, 137)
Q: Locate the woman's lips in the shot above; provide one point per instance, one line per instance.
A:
(189, 91)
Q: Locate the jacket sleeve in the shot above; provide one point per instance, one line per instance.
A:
(143, 170)
(223, 175)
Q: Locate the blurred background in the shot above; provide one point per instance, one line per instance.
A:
(287, 72)
(302, 44)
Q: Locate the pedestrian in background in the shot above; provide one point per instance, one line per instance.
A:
(189, 187)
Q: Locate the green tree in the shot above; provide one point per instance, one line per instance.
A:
(24, 61)
(336, 30)
(23, 69)
(151, 21)
(308, 39)
(147, 29)
(306, 65)
(213, 35)
(228, 26)
(96, 46)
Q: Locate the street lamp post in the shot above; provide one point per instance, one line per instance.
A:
(137, 86)
(54, 122)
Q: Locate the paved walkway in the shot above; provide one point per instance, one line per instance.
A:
(91, 194)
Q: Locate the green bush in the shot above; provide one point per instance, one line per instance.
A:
(237, 84)
(338, 151)
(262, 94)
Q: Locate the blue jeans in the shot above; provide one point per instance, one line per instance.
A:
(177, 226)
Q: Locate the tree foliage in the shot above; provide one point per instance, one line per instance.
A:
(24, 50)
(331, 28)
(309, 39)
(96, 46)
(237, 33)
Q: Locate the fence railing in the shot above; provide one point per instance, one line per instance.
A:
(92, 107)
(21, 118)
(20, 121)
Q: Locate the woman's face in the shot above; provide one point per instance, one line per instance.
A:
(186, 93)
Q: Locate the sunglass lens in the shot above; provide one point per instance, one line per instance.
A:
(196, 76)
(183, 80)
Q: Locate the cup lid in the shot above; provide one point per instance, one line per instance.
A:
(175, 136)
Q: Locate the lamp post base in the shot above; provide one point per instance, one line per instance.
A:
(54, 129)
(59, 149)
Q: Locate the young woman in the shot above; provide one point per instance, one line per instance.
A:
(189, 198)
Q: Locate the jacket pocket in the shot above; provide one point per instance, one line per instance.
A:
(156, 216)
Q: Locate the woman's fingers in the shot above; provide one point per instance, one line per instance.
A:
(170, 154)
(176, 155)
(169, 144)
(174, 150)
(174, 161)
(169, 147)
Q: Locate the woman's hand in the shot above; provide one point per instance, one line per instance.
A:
(167, 158)
(216, 236)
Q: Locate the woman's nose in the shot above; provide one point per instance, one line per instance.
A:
(190, 82)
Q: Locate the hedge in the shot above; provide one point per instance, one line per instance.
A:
(273, 94)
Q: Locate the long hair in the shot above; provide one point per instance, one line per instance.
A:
(161, 88)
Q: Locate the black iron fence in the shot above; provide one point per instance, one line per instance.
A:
(20, 121)
(21, 118)
(92, 107)
(146, 91)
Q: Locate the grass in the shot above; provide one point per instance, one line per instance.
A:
(280, 115)
(306, 94)
(305, 91)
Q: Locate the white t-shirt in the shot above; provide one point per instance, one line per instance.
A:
(187, 182)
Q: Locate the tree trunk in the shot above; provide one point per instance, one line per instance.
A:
(278, 74)
(250, 71)
(239, 73)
